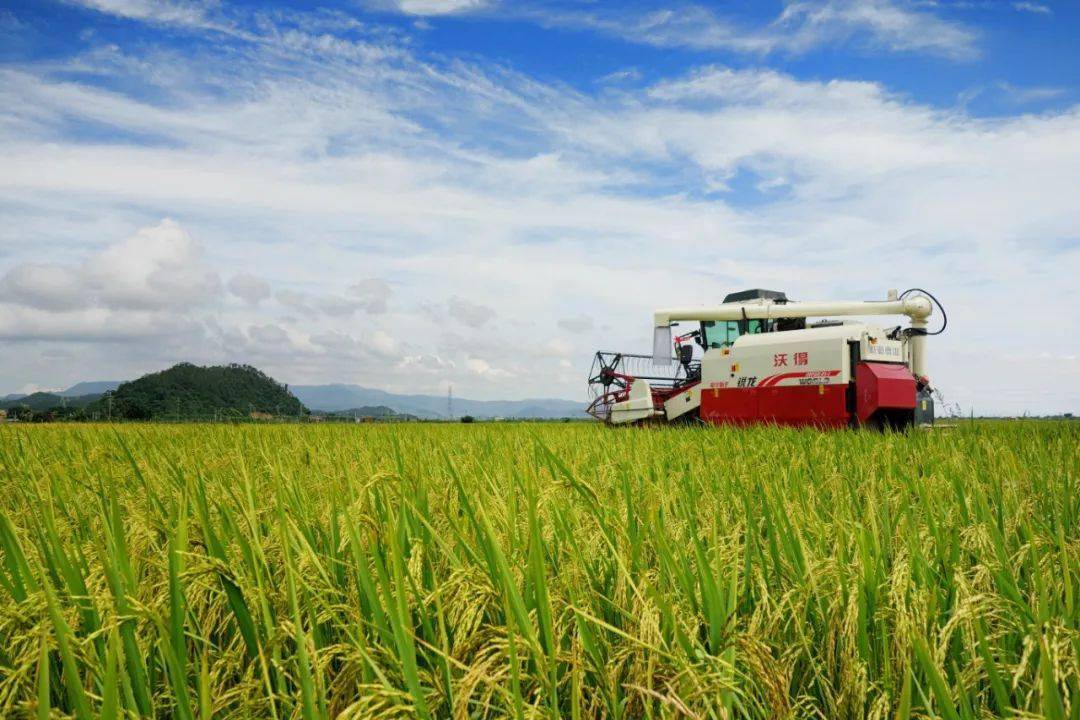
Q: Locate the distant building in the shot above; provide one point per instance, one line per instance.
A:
(257, 415)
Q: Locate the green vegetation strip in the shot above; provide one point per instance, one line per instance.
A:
(489, 571)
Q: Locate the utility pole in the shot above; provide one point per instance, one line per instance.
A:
(450, 402)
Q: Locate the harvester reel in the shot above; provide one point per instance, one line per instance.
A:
(612, 373)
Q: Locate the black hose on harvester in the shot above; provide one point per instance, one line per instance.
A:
(944, 317)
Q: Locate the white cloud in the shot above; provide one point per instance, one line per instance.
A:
(301, 302)
(270, 335)
(426, 364)
(1027, 95)
(368, 295)
(873, 25)
(371, 294)
(1032, 7)
(882, 24)
(438, 7)
(249, 288)
(483, 368)
(48, 287)
(184, 12)
(93, 324)
(469, 313)
(158, 268)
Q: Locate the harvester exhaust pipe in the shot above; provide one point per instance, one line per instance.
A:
(917, 343)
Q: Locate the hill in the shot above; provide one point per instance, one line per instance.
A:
(96, 387)
(187, 391)
(379, 412)
(338, 398)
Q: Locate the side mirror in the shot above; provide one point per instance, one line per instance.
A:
(686, 354)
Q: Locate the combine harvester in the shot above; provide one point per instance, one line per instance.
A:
(760, 361)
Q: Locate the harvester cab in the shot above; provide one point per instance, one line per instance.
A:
(758, 358)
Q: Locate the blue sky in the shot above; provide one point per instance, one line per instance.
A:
(411, 193)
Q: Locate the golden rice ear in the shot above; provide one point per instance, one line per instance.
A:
(540, 570)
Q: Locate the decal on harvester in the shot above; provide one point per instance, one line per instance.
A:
(806, 377)
(799, 358)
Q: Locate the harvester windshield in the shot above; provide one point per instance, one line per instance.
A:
(722, 333)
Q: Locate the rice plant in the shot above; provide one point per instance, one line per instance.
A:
(540, 571)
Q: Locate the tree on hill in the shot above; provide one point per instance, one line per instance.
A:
(191, 391)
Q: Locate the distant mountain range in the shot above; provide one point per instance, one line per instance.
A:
(96, 388)
(42, 401)
(340, 398)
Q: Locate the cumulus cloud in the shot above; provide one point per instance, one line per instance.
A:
(249, 288)
(338, 306)
(157, 267)
(48, 287)
(369, 295)
(95, 324)
(427, 363)
(335, 341)
(469, 313)
(299, 301)
(372, 294)
(269, 334)
(479, 366)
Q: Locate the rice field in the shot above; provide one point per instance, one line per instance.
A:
(538, 571)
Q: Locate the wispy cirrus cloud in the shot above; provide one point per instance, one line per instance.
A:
(1033, 7)
(178, 12)
(431, 7)
(893, 26)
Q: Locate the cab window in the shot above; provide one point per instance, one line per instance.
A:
(722, 333)
(719, 333)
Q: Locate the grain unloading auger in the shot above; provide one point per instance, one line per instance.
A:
(756, 359)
